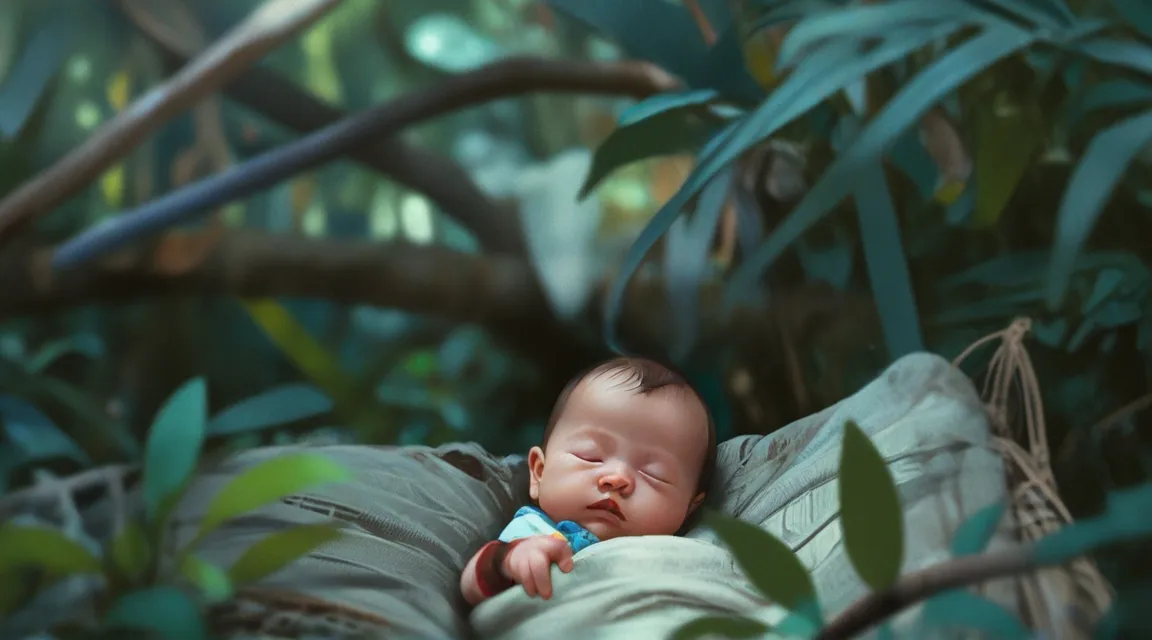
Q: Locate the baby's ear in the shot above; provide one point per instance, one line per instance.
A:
(536, 471)
(696, 502)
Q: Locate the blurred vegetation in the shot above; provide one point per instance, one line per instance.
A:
(921, 204)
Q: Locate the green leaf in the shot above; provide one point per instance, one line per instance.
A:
(686, 254)
(211, 580)
(131, 551)
(1110, 94)
(1103, 164)
(48, 46)
(267, 482)
(675, 44)
(974, 534)
(827, 71)
(960, 609)
(663, 103)
(665, 133)
(906, 108)
(725, 626)
(1125, 517)
(768, 564)
(1138, 13)
(44, 547)
(277, 550)
(87, 344)
(1134, 55)
(887, 264)
(34, 435)
(174, 444)
(274, 407)
(870, 511)
(1008, 137)
(166, 611)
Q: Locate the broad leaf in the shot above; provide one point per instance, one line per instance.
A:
(50, 44)
(974, 534)
(131, 551)
(915, 98)
(212, 581)
(1103, 164)
(869, 511)
(686, 259)
(653, 30)
(887, 264)
(86, 344)
(166, 611)
(674, 130)
(174, 443)
(725, 69)
(1008, 137)
(768, 564)
(964, 610)
(1137, 13)
(727, 627)
(45, 547)
(663, 103)
(267, 482)
(275, 407)
(1125, 518)
(277, 550)
(1134, 55)
(827, 71)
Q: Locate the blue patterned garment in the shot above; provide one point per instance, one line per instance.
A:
(531, 521)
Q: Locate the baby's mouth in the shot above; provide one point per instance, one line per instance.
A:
(609, 505)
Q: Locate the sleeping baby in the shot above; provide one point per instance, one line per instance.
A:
(629, 450)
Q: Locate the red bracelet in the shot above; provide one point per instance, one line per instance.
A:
(490, 578)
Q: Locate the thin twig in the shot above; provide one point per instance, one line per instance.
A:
(268, 27)
(915, 587)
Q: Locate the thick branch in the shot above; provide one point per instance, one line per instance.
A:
(270, 26)
(431, 174)
(915, 587)
(502, 79)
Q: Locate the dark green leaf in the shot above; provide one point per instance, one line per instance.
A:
(1117, 313)
(166, 611)
(726, 70)
(267, 482)
(768, 564)
(38, 546)
(686, 254)
(1122, 53)
(653, 30)
(174, 444)
(915, 98)
(275, 407)
(34, 435)
(277, 550)
(1107, 283)
(211, 580)
(1110, 94)
(131, 551)
(959, 609)
(974, 534)
(727, 627)
(909, 156)
(1138, 13)
(664, 133)
(865, 21)
(1103, 164)
(86, 344)
(887, 265)
(1125, 517)
(1007, 140)
(49, 46)
(663, 103)
(869, 511)
(826, 72)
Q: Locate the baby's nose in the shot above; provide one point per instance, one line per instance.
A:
(615, 482)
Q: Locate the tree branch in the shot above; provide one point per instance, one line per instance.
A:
(268, 27)
(436, 176)
(915, 587)
(506, 78)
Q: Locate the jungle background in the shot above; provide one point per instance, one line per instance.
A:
(443, 283)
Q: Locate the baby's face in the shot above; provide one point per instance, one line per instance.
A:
(622, 463)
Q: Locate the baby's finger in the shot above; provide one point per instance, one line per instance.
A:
(524, 574)
(542, 573)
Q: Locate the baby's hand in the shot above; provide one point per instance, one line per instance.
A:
(529, 563)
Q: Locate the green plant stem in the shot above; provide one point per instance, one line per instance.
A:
(915, 587)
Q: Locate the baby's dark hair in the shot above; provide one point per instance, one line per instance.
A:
(646, 376)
